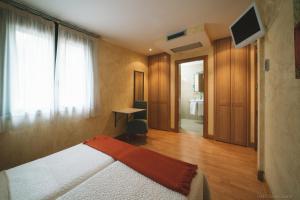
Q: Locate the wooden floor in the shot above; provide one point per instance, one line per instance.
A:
(230, 169)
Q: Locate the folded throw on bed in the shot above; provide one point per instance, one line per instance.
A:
(171, 173)
(110, 146)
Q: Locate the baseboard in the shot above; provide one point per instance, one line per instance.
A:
(208, 136)
(253, 145)
(261, 175)
(173, 130)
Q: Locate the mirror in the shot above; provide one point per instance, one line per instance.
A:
(138, 86)
(198, 82)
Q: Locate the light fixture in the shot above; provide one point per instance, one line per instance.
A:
(150, 49)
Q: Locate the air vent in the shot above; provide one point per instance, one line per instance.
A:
(176, 35)
(187, 47)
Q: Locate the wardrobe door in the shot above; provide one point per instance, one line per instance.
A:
(159, 91)
(164, 92)
(153, 92)
(222, 90)
(239, 95)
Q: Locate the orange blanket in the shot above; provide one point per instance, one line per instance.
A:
(169, 172)
(114, 148)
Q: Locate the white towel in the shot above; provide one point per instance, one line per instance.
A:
(193, 107)
(200, 108)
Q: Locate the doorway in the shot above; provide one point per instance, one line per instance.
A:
(191, 98)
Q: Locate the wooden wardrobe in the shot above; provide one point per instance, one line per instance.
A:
(159, 91)
(232, 92)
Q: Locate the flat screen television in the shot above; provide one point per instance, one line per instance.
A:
(247, 28)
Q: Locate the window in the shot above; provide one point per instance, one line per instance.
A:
(34, 84)
(74, 71)
(27, 66)
(31, 74)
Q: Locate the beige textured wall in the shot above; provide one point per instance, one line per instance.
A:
(180, 56)
(280, 126)
(116, 66)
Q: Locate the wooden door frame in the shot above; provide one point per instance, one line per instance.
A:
(255, 117)
(255, 97)
(205, 92)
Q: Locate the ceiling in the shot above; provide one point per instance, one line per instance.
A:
(138, 24)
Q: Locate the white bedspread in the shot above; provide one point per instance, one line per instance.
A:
(52, 176)
(119, 182)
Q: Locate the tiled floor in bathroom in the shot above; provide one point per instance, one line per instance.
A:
(191, 126)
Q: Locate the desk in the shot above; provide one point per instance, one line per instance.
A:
(127, 112)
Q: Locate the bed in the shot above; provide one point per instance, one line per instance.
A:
(82, 172)
(131, 185)
(52, 176)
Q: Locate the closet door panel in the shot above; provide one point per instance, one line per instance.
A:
(238, 134)
(164, 92)
(153, 80)
(222, 90)
(239, 95)
(159, 91)
(231, 92)
(223, 124)
(223, 79)
(153, 115)
(164, 80)
(164, 116)
(153, 92)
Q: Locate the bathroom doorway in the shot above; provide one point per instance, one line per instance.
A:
(191, 87)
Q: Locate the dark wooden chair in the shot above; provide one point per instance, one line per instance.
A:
(139, 124)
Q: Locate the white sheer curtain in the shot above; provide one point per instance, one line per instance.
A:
(75, 74)
(33, 86)
(27, 67)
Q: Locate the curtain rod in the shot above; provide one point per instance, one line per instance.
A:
(48, 17)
